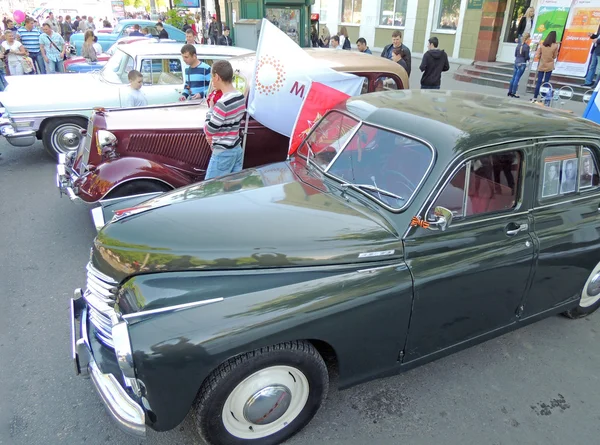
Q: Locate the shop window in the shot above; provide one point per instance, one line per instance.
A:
(393, 13)
(448, 13)
(286, 19)
(518, 9)
(351, 11)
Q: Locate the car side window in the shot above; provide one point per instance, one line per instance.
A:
(162, 71)
(559, 172)
(486, 184)
(385, 83)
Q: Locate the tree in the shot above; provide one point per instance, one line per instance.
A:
(218, 10)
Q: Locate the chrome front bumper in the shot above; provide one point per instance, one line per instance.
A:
(23, 138)
(128, 414)
(65, 176)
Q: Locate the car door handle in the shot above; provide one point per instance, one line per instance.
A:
(514, 229)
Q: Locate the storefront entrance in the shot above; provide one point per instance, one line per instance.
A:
(514, 11)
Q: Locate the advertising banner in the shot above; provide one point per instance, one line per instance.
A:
(118, 8)
(574, 55)
(551, 15)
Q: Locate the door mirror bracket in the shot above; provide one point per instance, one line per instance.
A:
(440, 219)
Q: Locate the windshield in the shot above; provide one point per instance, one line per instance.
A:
(372, 159)
(117, 68)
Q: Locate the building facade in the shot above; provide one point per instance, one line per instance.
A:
(467, 29)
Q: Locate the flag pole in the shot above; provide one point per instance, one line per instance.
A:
(245, 136)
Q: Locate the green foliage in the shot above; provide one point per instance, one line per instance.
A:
(174, 18)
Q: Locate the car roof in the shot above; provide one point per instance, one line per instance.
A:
(175, 48)
(143, 22)
(460, 120)
(338, 60)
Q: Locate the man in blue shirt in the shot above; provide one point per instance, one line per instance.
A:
(30, 38)
(136, 31)
(197, 74)
(53, 49)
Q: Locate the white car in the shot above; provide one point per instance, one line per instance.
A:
(56, 107)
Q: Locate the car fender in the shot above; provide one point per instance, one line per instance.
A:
(361, 312)
(98, 183)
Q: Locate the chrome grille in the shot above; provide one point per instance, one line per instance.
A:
(87, 146)
(101, 295)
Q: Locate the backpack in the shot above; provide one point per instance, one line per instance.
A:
(347, 44)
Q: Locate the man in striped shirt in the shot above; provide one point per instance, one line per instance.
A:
(30, 38)
(197, 74)
(223, 120)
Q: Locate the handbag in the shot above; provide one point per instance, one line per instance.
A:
(27, 64)
(56, 47)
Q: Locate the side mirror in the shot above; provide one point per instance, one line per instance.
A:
(441, 219)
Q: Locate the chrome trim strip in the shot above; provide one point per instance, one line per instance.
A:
(491, 218)
(375, 269)
(468, 166)
(172, 308)
(581, 198)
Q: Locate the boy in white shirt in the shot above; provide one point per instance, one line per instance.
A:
(135, 98)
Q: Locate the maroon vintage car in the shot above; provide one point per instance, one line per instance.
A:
(155, 149)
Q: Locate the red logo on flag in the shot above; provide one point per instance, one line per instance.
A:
(319, 100)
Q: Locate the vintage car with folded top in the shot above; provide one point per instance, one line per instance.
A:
(409, 225)
(56, 117)
(135, 151)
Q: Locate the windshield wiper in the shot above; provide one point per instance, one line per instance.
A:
(371, 188)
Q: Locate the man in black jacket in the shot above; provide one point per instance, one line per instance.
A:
(225, 40)
(434, 62)
(397, 43)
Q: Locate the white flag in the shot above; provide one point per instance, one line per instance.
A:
(282, 78)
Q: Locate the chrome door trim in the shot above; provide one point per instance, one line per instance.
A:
(172, 308)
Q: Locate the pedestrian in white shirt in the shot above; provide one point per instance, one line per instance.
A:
(14, 52)
(335, 42)
(135, 98)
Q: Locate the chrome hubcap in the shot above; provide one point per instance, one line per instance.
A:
(66, 138)
(591, 291)
(268, 405)
(265, 402)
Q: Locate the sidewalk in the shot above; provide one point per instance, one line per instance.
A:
(448, 83)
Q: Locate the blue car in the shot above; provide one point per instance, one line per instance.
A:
(106, 40)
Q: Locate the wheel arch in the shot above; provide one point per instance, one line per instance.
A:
(108, 176)
(126, 182)
(47, 120)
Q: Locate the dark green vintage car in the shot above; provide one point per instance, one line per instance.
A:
(408, 226)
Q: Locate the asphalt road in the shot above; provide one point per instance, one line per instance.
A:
(537, 385)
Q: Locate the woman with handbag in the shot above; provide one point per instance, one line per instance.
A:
(13, 52)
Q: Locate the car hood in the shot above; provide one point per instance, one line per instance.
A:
(86, 91)
(259, 218)
(181, 116)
